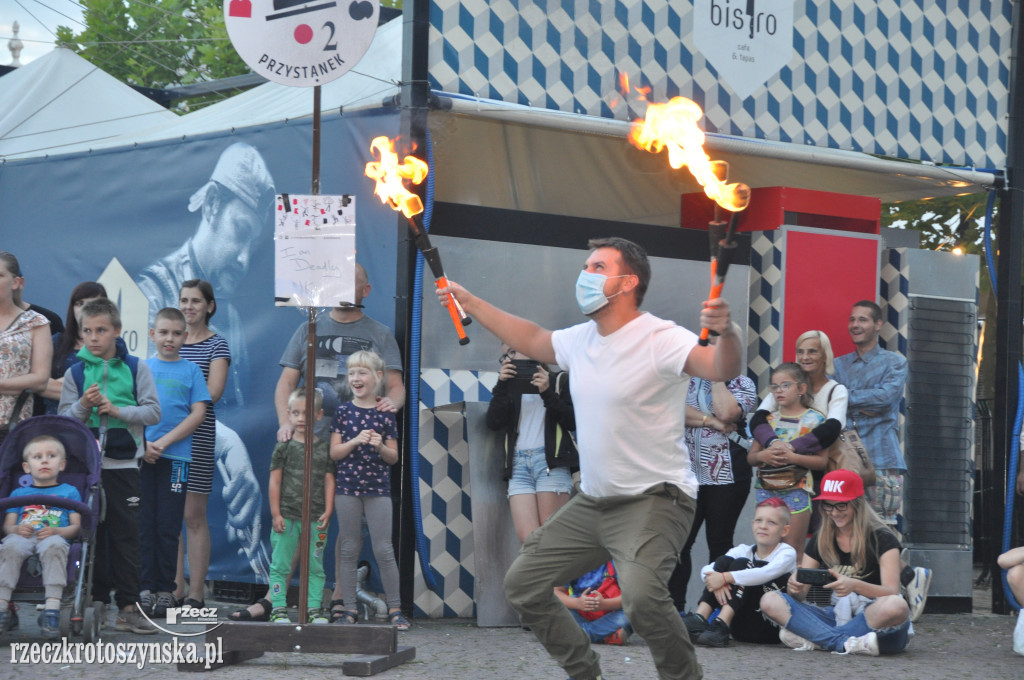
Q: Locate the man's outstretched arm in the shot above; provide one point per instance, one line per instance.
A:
(521, 334)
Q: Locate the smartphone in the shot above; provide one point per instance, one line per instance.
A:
(525, 368)
(815, 577)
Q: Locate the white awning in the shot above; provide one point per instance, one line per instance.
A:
(521, 158)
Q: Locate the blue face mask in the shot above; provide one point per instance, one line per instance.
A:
(590, 291)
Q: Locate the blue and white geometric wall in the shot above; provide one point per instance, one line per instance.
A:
(445, 492)
(916, 79)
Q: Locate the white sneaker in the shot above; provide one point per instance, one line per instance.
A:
(865, 644)
(917, 591)
(794, 641)
(1018, 634)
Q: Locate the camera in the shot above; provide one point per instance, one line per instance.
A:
(814, 577)
(525, 368)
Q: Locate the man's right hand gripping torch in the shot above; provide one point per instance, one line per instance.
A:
(721, 242)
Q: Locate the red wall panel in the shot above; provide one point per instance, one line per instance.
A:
(824, 275)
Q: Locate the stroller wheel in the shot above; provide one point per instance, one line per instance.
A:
(65, 621)
(90, 625)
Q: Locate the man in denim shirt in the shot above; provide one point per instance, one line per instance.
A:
(875, 378)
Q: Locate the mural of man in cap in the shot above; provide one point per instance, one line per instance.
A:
(235, 206)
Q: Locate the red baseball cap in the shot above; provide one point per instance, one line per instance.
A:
(841, 485)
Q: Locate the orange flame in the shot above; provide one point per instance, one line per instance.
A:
(389, 173)
(673, 126)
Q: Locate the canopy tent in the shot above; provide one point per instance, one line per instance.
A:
(61, 102)
(373, 80)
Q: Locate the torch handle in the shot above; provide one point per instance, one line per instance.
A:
(716, 291)
(454, 311)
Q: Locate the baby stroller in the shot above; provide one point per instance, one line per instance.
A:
(78, 614)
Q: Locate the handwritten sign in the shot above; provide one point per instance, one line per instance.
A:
(314, 250)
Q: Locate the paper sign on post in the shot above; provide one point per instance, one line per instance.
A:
(314, 250)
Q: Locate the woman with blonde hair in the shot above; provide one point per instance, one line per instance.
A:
(867, 615)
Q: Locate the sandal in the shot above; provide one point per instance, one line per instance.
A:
(246, 615)
(397, 620)
(342, 615)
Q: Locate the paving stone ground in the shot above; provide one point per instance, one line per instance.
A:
(945, 647)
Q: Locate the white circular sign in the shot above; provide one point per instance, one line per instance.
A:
(301, 42)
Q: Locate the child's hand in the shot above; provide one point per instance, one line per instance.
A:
(715, 580)
(46, 532)
(586, 602)
(105, 407)
(376, 441)
(92, 397)
(364, 436)
(153, 452)
(776, 454)
(722, 595)
(25, 530)
(323, 520)
(278, 524)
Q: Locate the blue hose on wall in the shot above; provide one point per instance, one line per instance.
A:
(414, 383)
(1011, 472)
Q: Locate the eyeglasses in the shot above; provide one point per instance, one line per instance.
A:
(506, 356)
(781, 387)
(834, 507)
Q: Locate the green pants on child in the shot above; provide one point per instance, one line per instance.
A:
(284, 560)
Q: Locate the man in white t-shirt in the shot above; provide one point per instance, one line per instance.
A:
(628, 373)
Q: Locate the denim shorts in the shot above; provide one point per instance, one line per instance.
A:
(530, 474)
(797, 500)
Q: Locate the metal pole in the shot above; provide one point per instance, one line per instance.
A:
(310, 381)
(1010, 242)
(414, 96)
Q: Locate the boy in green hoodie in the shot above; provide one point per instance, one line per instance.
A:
(114, 394)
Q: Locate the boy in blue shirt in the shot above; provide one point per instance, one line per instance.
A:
(113, 393)
(183, 396)
(41, 529)
(595, 602)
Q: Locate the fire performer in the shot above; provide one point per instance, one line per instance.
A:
(637, 501)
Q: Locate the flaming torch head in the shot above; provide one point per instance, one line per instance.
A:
(389, 176)
(672, 126)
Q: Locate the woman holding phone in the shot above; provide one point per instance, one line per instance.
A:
(862, 556)
(534, 410)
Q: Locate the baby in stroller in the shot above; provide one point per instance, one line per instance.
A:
(43, 512)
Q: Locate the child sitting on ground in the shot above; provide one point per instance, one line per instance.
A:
(287, 465)
(164, 474)
(1013, 562)
(42, 529)
(595, 601)
(737, 580)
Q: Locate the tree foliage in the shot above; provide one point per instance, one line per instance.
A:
(944, 223)
(155, 43)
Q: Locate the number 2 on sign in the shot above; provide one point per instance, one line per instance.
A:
(330, 46)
